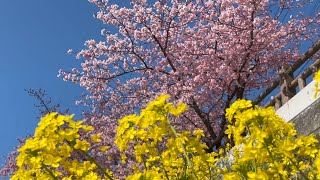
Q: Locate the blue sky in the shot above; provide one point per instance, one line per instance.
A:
(34, 38)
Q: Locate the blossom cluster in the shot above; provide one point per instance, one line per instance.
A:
(316, 78)
(266, 147)
(262, 146)
(56, 151)
(161, 151)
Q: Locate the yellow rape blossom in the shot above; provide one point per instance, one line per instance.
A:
(268, 144)
(96, 138)
(82, 144)
(48, 152)
(317, 79)
(104, 148)
(184, 154)
(264, 147)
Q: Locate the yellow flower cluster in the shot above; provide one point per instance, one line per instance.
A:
(266, 147)
(48, 154)
(163, 152)
(317, 79)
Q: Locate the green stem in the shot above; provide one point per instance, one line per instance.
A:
(273, 159)
(304, 176)
(161, 162)
(144, 162)
(184, 150)
(50, 172)
(91, 159)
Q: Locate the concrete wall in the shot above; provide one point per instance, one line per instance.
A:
(303, 110)
(308, 121)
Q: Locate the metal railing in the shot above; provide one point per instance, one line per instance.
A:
(287, 82)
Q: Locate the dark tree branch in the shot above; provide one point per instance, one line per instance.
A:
(45, 105)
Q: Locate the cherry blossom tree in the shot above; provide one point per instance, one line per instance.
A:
(206, 53)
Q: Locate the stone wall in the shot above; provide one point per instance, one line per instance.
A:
(308, 121)
(304, 110)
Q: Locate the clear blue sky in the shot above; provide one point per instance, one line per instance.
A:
(34, 38)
